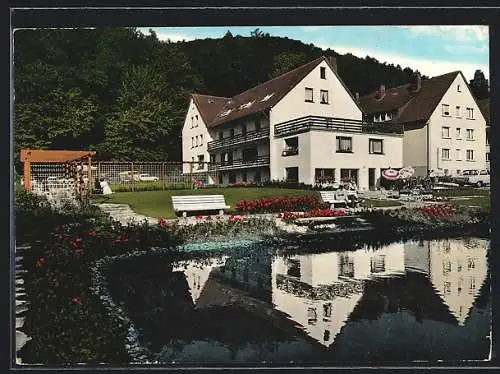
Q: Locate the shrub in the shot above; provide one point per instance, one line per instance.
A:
(280, 204)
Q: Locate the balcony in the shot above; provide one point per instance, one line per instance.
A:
(240, 163)
(308, 123)
(236, 140)
(290, 151)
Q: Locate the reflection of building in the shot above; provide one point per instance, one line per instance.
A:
(197, 273)
(456, 268)
(319, 291)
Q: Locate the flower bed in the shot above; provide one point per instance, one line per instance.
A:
(280, 204)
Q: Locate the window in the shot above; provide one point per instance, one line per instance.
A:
(291, 147)
(196, 121)
(376, 118)
(458, 156)
(257, 177)
(322, 72)
(244, 175)
(445, 132)
(470, 134)
(344, 144)
(257, 124)
(458, 88)
(487, 137)
(192, 142)
(447, 288)
(231, 133)
(445, 154)
(377, 264)
(470, 155)
(327, 310)
(457, 111)
(458, 171)
(346, 266)
(201, 139)
(309, 95)
(459, 133)
(470, 263)
(472, 285)
(326, 335)
(446, 267)
(292, 174)
(487, 156)
(324, 175)
(311, 316)
(221, 135)
(201, 161)
(249, 154)
(446, 109)
(382, 117)
(192, 121)
(470, 113)
(212, 159)
(323, 96)
(293, 268)
(197, 141)
(244, 130)
(232, 178)
(376, 146)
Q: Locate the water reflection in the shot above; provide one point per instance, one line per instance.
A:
(330, 303)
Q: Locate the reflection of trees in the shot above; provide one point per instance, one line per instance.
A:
(323, 292)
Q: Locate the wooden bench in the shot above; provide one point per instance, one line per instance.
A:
(334, 198)
(194, 203)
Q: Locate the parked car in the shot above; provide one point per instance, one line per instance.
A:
(147, 178)
(464, 176)
(482, 178)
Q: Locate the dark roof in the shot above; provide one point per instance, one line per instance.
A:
(209, 106)
(261, 97)
(484, 106)
(416, 106)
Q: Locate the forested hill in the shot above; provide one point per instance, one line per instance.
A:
(125, 94)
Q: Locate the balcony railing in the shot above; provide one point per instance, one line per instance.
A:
(292, 151)
(240, 163)
(238, 139)
(308, 123)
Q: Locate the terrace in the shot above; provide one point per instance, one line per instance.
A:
(308, 123)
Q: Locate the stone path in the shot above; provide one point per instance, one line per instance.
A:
(21, 302)
(124, 214)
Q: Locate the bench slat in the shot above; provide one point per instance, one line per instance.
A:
(199, 202)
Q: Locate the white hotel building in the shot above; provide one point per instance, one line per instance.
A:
(303, 126)
(444, 129)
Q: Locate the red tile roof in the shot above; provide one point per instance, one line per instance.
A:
(415, 106)
(209, 106)
(256, 99)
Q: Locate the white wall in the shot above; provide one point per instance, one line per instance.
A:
(463, 99)
(293, 104)
(188, 152)
(415, 150)
(317, 149)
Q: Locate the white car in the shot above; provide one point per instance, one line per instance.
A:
(482, 178)
(147, 178)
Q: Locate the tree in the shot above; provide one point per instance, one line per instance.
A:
(286, 61)
(479, 86)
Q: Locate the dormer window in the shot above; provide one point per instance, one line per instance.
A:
(322, 72)
(267, 97)
(244, 106)
(225, 113)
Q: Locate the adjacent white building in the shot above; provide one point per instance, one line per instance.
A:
(484, 105)
(303, 126)
(444, 128)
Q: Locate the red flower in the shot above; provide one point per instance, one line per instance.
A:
(78, 240)
(76, 301)
(198, 216)
(92, 234)
(162, 222)
(40, 262)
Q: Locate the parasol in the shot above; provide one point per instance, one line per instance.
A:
(406, 172)
(390, 174)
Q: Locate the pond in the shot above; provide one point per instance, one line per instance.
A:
(396, 303)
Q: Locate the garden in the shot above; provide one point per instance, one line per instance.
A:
(70, 319)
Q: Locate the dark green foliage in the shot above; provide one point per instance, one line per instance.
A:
(479, 86)
(125, 94)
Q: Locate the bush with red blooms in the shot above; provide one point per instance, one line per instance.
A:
(280, 204)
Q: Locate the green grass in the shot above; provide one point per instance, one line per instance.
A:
(379, 203)
(159, 203)
(483, 202)
(464, 191)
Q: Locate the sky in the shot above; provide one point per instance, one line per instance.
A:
(432, 50)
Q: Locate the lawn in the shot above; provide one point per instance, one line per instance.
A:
(159, 203)
(379, 203)
(483, 202)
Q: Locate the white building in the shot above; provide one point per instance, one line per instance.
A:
(444, 128)
(484, 105)
(303, 126)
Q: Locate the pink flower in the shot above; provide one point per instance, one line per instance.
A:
(40, 262)
(76, 301)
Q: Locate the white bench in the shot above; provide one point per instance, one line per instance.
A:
(194, 203)
(334, 197)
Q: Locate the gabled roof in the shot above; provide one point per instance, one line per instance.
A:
(419, 105)
(484, 106)
(258, 98)
(209, 106)
(264, 95)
